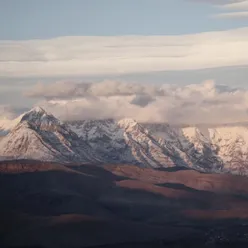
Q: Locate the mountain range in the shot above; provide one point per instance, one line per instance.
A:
(39, 135)
(120, 183)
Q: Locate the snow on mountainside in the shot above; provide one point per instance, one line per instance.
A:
(41, 136)
(7, 124)
(127, 141)
(218, 149)
(123, 141)
(231, 145)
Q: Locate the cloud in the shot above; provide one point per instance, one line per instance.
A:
(192, 104)
(98, 56)
(73, 90)
(142, 100)
(238, 5)
(60, 89)
(6, 112)
(243, 14)
(239, 8)
(9, 112)
(219, 2)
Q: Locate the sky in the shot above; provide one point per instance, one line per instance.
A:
(35, 19)
(159, 43)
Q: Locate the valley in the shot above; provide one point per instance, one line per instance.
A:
(99, 205)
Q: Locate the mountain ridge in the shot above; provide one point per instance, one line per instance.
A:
(39, 135)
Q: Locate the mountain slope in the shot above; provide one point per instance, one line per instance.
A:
(6, 125)
(123, 141)
(209, 149)
(38, 135)
(213, 149)
(126, 141)
(41, 136)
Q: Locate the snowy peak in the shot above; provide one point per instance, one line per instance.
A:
(124, 141)
(127, 123)
(35, 114)
(38, 109)
(41, 136)
(39, 118)
(25, 143)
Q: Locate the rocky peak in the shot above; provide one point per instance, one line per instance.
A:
(127, 123)
(39, 118)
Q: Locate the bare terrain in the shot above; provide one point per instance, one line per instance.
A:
(53, 205)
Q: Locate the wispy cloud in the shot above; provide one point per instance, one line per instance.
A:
(107, 88)
(80, 56)
(239, 14)
(239, 5)
(239, 10)
(217, 2)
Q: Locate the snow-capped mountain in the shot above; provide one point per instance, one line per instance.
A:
(124, 141)
(218, 149)
(215, 149)
(41, 136)
(230, 144)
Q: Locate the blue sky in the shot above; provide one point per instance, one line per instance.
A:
(42, 19)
